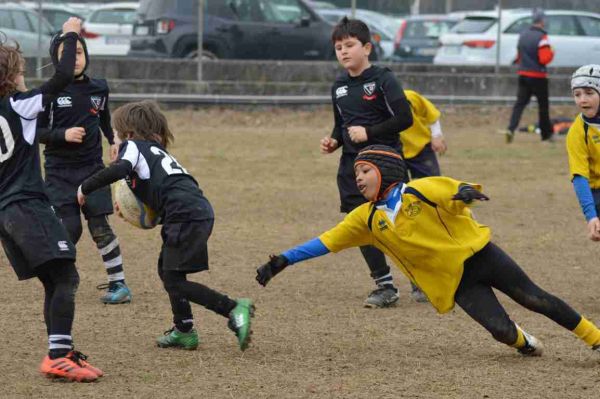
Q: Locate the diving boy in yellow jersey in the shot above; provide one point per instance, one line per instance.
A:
(427, 229)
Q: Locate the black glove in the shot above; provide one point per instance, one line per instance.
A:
(270, 269)
(467, 194)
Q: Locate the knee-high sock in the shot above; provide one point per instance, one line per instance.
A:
(108, 246)
(588, 332)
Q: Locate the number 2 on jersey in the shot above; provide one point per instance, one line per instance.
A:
(169, 164)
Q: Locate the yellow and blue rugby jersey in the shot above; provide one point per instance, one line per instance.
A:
(429, 240)
(424, 113)
(584, 151)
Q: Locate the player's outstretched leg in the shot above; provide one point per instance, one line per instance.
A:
(493, 267)
(181, 291)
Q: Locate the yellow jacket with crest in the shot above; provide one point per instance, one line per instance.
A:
(429, 239)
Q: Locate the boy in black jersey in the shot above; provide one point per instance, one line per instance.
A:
(71, 129)
(369, 107)
(160, 182)
(35, 242)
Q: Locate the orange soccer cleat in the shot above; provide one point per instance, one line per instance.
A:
(82, 360)
(68, 367)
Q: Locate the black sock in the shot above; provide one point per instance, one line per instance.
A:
(56, 353)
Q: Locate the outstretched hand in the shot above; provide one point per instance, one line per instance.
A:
(467, 194)
(270, 269)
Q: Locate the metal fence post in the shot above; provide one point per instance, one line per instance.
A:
(200, 37)
(38, 62)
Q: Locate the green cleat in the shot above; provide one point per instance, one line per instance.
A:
(177, 339)
(240, 323)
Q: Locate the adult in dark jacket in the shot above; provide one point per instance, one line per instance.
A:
(534, 53)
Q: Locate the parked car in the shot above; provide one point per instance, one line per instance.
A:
(55, 13)
(382, 27)
(574, 36)
(417, 38)
(320, 4)
(109, 27)
(20, 24)
(243, 29)
(83, 9)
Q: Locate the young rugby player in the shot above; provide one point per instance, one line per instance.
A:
(71, 129)
(35, 242)
(159, 181)
(423, 139)
(427, 228)
(369, 107)
(420, 143)
(582, 142)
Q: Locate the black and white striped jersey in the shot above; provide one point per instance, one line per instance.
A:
(157, 179)
(20, 173)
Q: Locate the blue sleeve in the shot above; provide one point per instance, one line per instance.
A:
(585, 197)
(310, 249)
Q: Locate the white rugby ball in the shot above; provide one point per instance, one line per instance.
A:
(133, 210)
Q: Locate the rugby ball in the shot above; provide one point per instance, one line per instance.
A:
(132, 209)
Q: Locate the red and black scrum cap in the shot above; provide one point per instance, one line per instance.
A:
(387, 161)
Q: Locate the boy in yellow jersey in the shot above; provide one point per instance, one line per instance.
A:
(583, 145)
(423, 139)
(420, 143)
(427, 229)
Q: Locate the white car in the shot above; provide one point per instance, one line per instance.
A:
(574, 36)
(109, 27)
(55, 13)
(20, 24)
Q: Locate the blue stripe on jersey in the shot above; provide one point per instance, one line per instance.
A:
(310, 249)
(585, 197)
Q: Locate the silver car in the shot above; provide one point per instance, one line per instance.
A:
(574, 36)
(20, 24)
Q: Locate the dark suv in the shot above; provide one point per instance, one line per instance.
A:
(240, 29)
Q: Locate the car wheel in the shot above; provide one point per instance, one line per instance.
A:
(206, 55)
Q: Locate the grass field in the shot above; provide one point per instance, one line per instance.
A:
(271, 189)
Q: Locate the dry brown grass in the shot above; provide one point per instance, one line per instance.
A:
(271, 189)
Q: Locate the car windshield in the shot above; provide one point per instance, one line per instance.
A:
(153, 9)
(427, 28)
(116, 16)
(474, 25)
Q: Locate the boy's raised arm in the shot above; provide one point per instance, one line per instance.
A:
(65, 68)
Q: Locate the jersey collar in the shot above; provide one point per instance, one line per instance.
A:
(595, 121)
(392, 203)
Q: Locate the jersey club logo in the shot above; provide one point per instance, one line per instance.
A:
(382, 225)
(96, 104)
(369, 89)
(413, 209)
(341, 92)
(64, 102)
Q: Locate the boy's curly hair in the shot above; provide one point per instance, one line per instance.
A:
(142, 120)
(11, 64)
